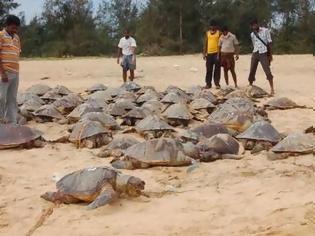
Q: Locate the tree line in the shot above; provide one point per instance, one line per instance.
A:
(161, 27)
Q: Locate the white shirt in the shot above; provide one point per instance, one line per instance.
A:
(264, 34)
(126, 45)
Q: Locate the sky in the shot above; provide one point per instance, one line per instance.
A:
(32, 8)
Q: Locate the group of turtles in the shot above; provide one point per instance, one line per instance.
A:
(140, 127)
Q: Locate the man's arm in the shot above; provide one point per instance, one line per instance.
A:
(119, 54)
(237, 48)
(269, 45)
(205, 46)
(4, 77)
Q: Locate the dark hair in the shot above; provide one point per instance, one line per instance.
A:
(12, 20)
(254, 22)
(213, 23)
(225, 28)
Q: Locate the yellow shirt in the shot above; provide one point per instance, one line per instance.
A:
(213, 42)
(9, 51)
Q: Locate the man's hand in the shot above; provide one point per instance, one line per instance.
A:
(118, 60)
(237, 57)
(204, 57)
(4, 78)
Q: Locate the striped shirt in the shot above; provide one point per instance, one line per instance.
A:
(10, 49)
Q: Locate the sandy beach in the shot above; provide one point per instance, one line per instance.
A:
(252, 196)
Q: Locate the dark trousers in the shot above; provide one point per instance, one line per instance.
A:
(264, 61)
(213, 69)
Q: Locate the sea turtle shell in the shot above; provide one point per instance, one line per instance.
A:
(296, 143)
(152, 123)
(153, 105)
(51, 96)
(120, 108)
(121, 142)
(201, 103)
(159, 152)
(131, 86)
(172, 98)
(67, 103)
(209, 129)
(261, 131)
(83, 109)
(38, 89)
(194, 90)
(84, 184)
(255, 92)
(12, 136)
(96, 87)
(137, 113)
(105, 119)
(178, 111)
(282, 103)
(62, 90)
(24, 97)
(86, 129)
(149, 95)
(48, 111)
(206, 94)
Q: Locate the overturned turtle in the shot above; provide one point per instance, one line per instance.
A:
(220, 146)
(106, 120)
(38, 89)
(293, 145)
(282, 103)
(117, 146)
(19, 136)
(156, 152)
(178, 114)
(48, 113)
(90, 134)
(96, 87)
(260, 136)
(97, 186)
(154, 127)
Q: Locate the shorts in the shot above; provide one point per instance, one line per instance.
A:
(228, 61)
(127, 63)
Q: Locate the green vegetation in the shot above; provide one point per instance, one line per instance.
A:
(161, 27)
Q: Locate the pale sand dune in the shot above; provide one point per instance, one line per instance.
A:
(252, 196)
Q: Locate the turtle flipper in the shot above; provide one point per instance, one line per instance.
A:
(122, 164)
(107, 196)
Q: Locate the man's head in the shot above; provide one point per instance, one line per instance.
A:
(254, 25)
(225, 30)
(126, 34)
(12, 24)
(213, 26)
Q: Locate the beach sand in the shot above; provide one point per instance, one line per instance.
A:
(252, 196)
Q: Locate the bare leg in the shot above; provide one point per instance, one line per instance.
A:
(271, 87)
(226, 76)
(132, 75)
(234, 77)
(125, 75)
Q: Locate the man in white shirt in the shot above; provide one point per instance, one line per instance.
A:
(127, 52)
(262, 53)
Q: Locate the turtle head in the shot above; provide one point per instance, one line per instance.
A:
(132, 186)
(50, 196)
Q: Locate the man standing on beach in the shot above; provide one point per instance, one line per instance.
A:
(228, 48)
(9, 69)
(127, 53)
(262, 53)
(210, 54)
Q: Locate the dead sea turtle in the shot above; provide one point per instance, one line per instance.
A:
(255, 92)
(156, 152)
(260, 136)
(96, 87)
(24, 97)
(14, 136)
(201, 108)
(153, 127)
(236, 114)
(282, 103)
(29, 107)
(135, 115)
(48, 113)
(192, 91)
(106, 120)
(62, 90)
(154, 106)
(131, 86)
(102, 98)
(66, 104)
(172, 98)
(220, 146)
(38, 89)
(81, 110)
(208, 95)
(117, 146)
(51, 96)
(149, 95)
(120, 108)
(209, 129)
(293, 145)
(97, 186)
(178, 114)
(90, 134)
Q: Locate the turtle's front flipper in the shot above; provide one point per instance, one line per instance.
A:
(107, 196)
(122, 164)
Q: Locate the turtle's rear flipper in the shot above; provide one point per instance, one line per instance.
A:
(107, 196)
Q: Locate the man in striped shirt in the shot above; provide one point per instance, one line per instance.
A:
(9, 69)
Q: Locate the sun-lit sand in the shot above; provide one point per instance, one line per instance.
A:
(252, 196)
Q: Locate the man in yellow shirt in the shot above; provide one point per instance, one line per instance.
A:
(9, 69)
(211, 55)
